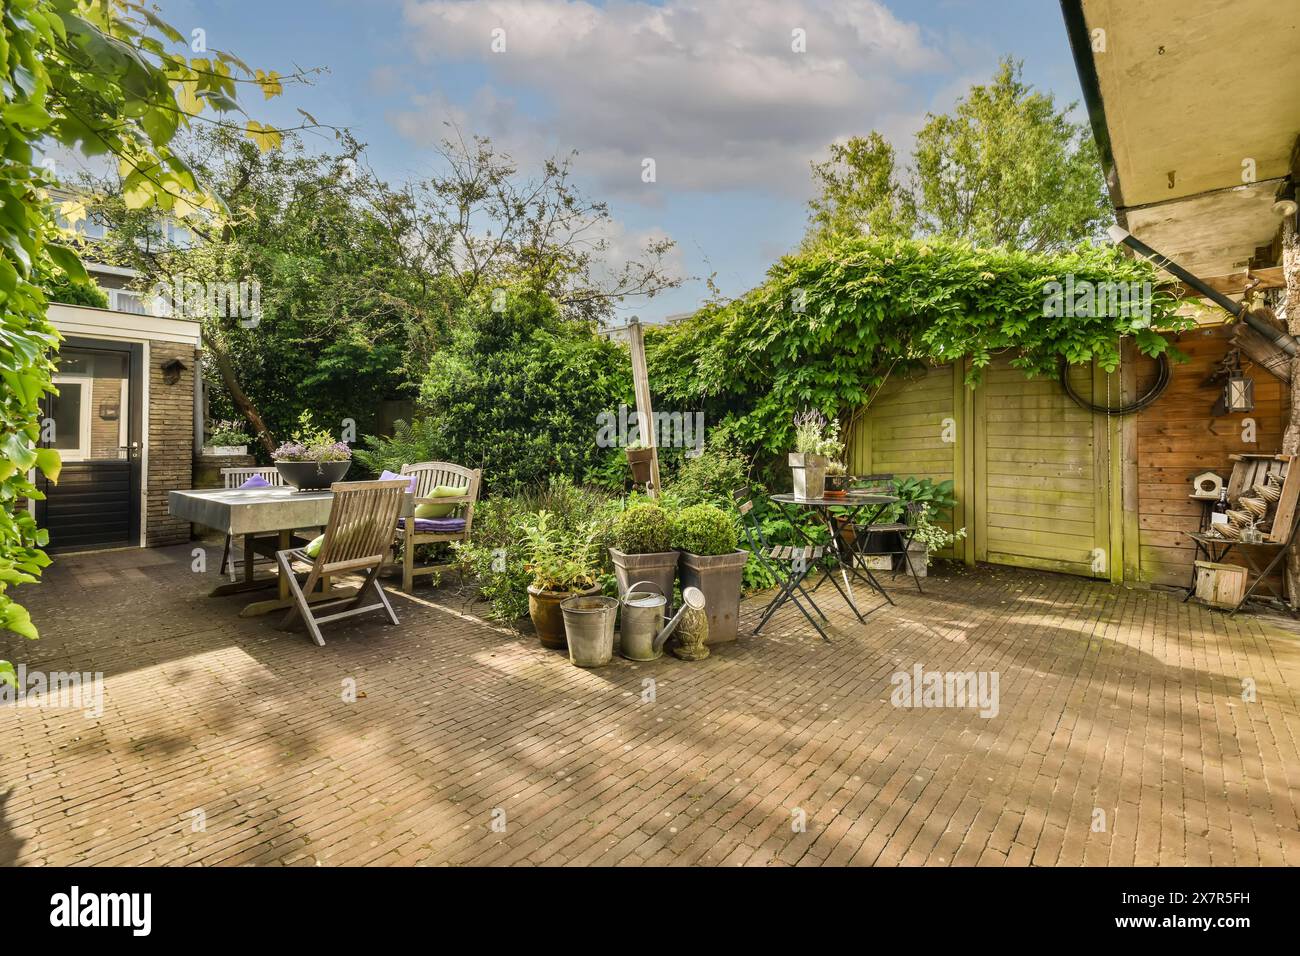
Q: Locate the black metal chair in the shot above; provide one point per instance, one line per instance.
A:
(788, 565)
(905, 529)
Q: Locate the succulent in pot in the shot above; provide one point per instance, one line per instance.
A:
(711, 561)
(562, 565)
(642, 548)
(312, 460)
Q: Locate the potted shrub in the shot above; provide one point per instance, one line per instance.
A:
(815, 443)
(706, 537)
(561, 565)
(928, 539)
(312, 460)
(642, 549)
(226, 438)
(639, 458)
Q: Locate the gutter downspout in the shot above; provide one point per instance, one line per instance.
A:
(1283, 340)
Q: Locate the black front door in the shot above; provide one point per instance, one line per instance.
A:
(94, 422)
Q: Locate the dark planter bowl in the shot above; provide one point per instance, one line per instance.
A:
(312, 475)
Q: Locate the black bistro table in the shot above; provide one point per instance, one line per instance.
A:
(855, 510)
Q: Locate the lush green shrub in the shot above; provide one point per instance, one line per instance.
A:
(643, 529)
(59, 287)
(517, 393)
(709, 478)
(419, 440)
(705, 530)
(498, 553)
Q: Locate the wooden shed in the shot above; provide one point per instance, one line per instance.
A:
(1043, 483)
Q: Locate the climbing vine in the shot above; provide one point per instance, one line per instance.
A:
(831, 323)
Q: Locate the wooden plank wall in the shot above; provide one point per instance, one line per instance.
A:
(1038, 473)
(903, 433)
(1178, 438)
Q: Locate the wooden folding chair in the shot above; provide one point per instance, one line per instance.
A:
(416, 531)
(233, 478)
(363, 521)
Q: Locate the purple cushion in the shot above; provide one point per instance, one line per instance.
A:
(393, 476)
(435, 525)
(256, 481)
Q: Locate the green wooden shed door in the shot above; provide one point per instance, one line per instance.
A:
(1039, 479)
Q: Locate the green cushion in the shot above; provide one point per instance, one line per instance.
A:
(439, 511)
(313, 549)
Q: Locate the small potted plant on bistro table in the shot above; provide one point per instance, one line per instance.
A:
(816, 443)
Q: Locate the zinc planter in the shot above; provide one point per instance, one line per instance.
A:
(659, 568)
(224, 451)
(918, 558)
(548, 619)
(589, 628)
(718, 576)
(312, 475)
(809, 474)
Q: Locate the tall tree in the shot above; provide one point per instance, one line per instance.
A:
(1007, 167)
(859, 192)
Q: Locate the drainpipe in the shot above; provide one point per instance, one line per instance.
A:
(198, 402)
(1282, 340)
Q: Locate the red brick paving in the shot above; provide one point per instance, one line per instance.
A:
(1121, 701)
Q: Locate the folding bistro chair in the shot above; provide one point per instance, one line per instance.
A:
(413, 531)
(906, 531)
(788, 564)
(363, 521)
(232, 478)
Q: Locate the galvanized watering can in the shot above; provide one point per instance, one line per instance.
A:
(644, 632)
(644, 608)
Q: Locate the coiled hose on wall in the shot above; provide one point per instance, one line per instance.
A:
(1163, 376)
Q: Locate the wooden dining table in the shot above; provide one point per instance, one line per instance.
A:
(252, 513)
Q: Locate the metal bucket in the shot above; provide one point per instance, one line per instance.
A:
(589, 627)
(643, 618)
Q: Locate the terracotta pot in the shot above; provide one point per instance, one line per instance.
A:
(719, 577)
(837, 486)
(639, 459)
(659, 568)
(548, 619)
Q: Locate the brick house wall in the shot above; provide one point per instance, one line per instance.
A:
(171, 440)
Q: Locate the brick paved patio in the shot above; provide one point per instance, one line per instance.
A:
(1123, 701)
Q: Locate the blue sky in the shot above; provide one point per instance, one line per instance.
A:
(710, 89)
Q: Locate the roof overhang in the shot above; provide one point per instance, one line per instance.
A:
(1195, 107)
(123, 326)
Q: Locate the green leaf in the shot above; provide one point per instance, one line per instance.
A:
(49, 462)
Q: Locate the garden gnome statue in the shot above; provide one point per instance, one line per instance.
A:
(694, 628)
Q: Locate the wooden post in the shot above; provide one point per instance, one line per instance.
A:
(644, 413)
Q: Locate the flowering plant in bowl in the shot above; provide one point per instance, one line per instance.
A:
(312, 460)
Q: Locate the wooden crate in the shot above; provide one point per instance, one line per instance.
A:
(1250, 470)
(1220, 585)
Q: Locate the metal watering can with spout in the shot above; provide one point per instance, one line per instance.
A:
(644, 632)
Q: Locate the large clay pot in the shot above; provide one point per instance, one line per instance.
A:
(659, 568)
(548, 619)
(312, 475)
(718, 576)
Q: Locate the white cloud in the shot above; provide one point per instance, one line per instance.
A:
(710, 89)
